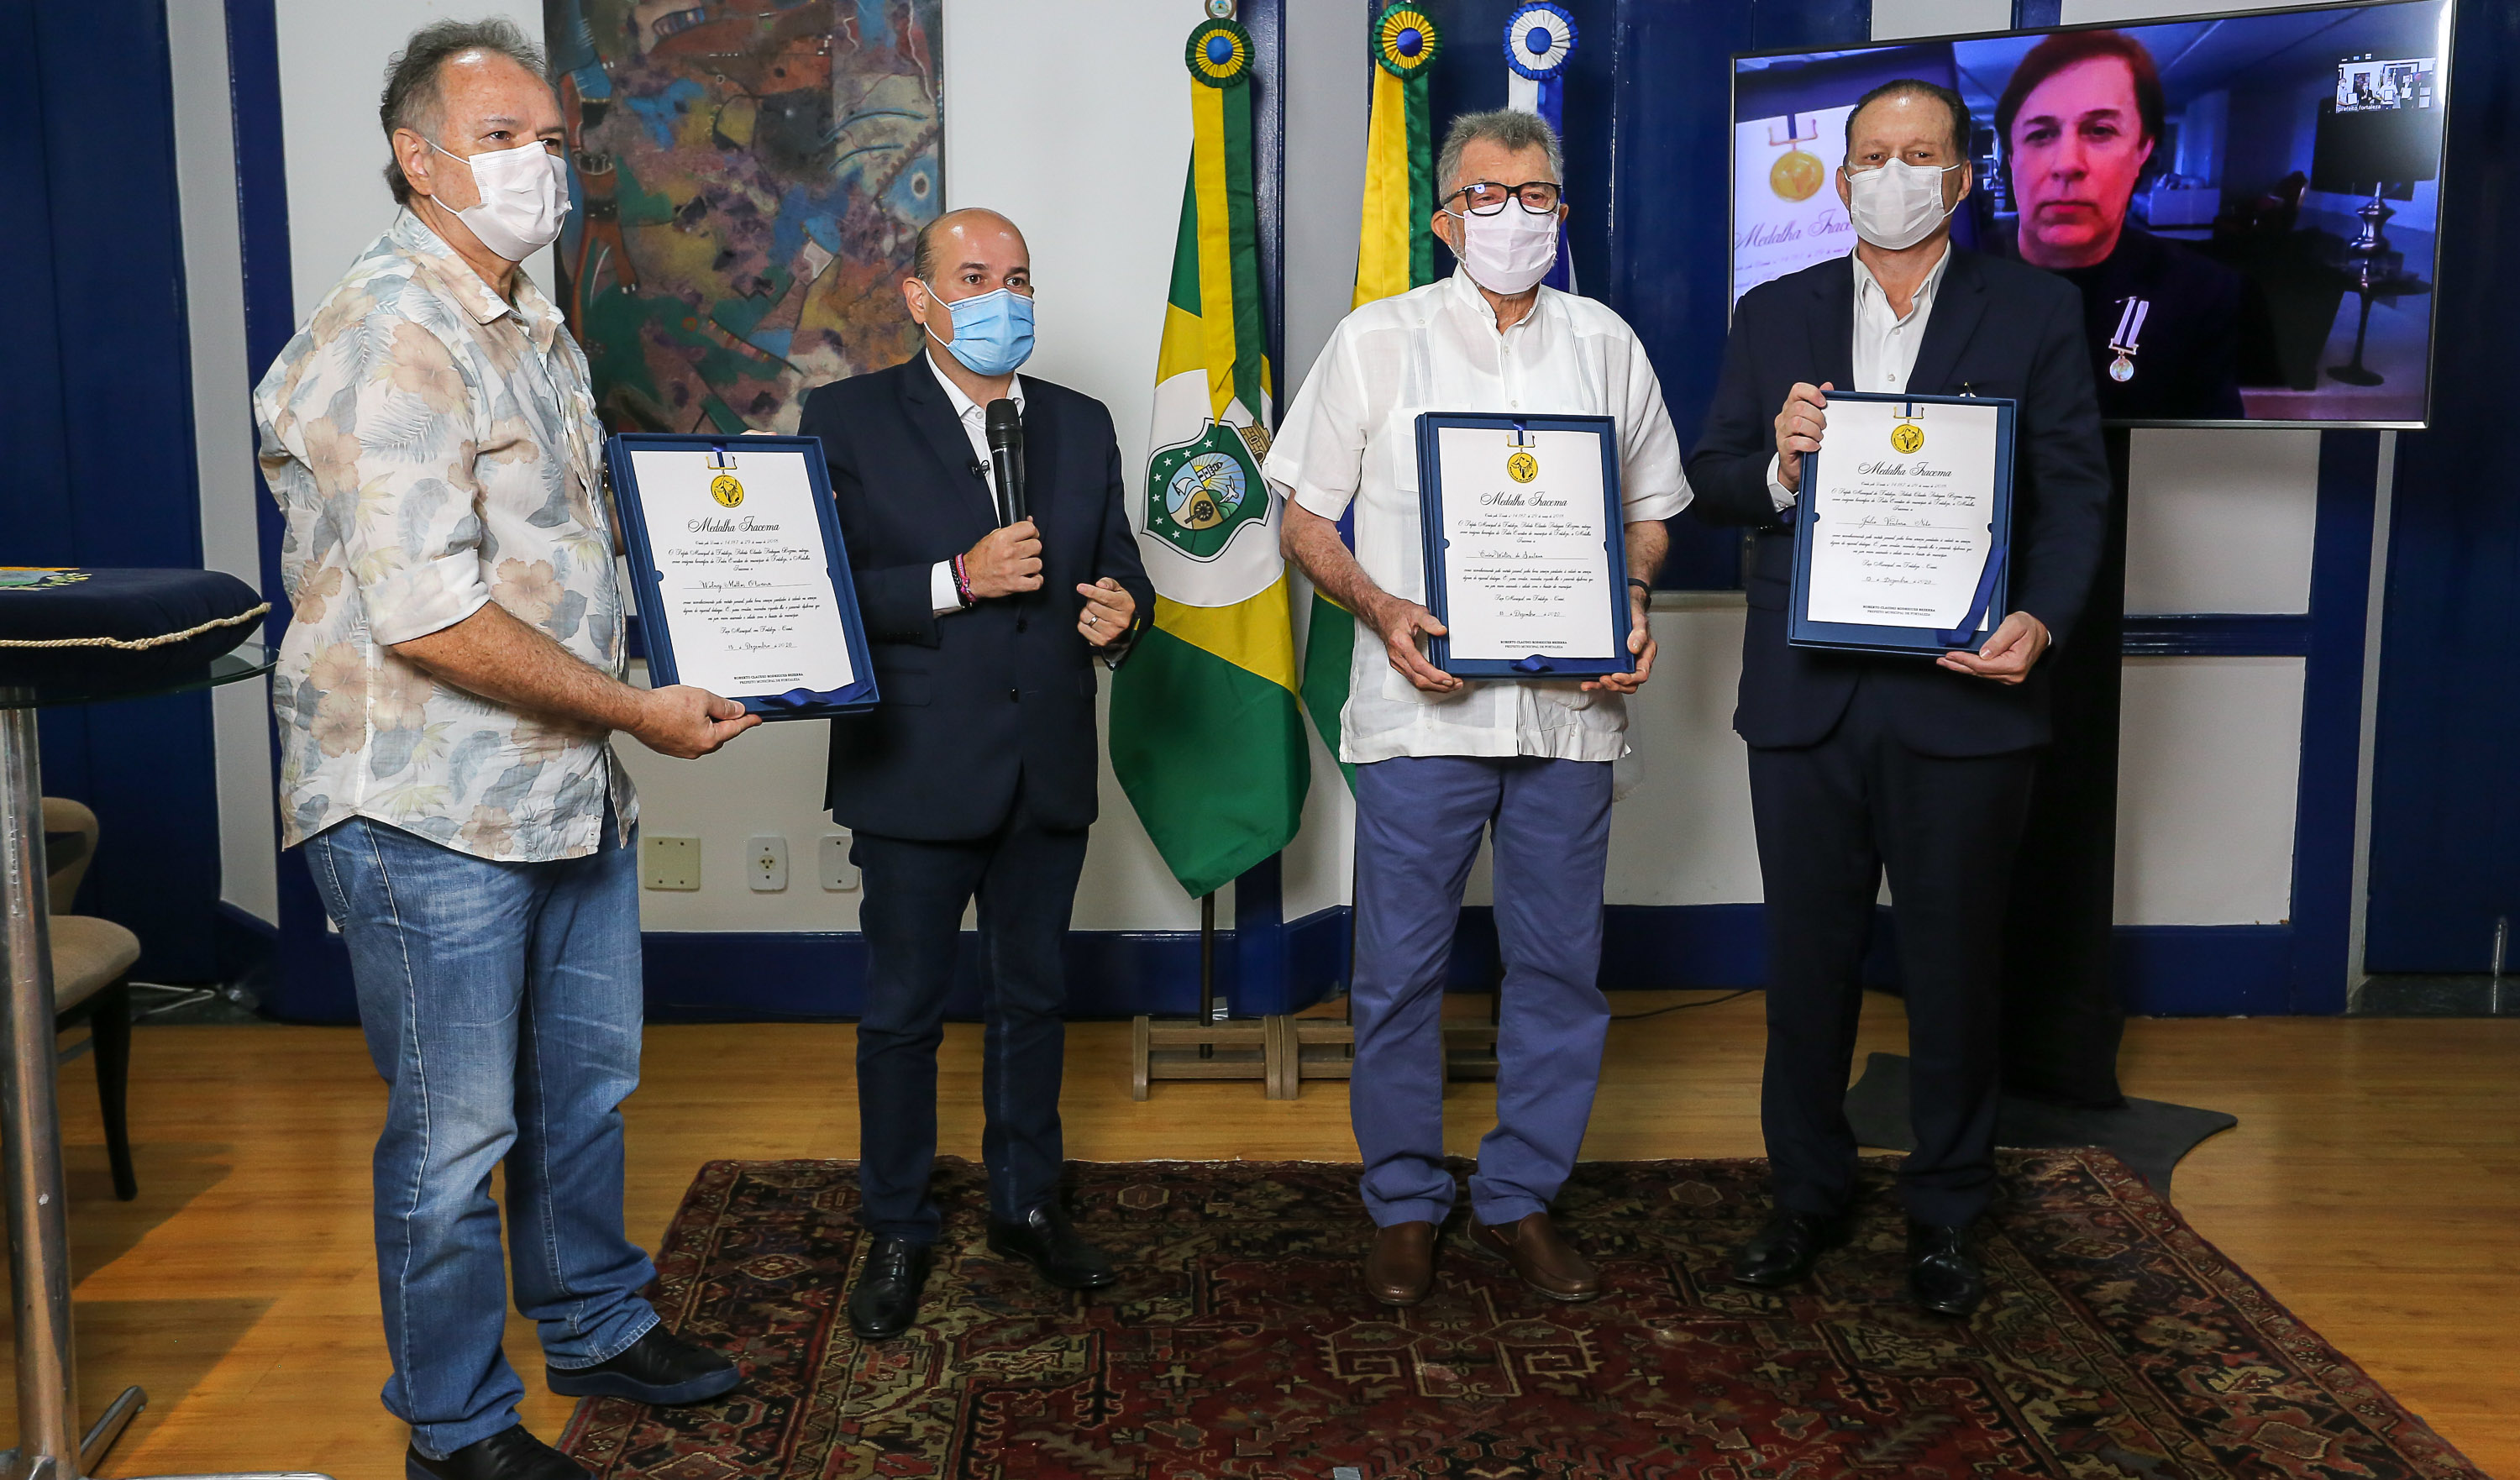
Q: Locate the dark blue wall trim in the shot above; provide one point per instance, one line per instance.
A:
(2205, 970)
(312, 979)
(249, 949)
(708, 976)
(2445, 789)
(1259, 944)
(1266, 20)
(2240, 634)
(2331, 722)
(1110, 974)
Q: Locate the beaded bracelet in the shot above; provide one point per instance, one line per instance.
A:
(962, 584)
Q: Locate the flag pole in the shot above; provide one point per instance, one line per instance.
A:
(1207, 968)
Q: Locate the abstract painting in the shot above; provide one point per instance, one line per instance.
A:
(749, 177)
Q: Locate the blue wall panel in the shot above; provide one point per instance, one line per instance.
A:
(2445, 794)
(97, 400)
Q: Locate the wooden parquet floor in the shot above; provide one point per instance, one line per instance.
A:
(2373, 1184)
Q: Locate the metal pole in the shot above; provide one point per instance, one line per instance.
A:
(39, 1265)
(50, 1446)
(2501, 941)
(1206, 971)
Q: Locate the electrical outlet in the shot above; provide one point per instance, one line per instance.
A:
(839, 873)
(669, 863)
(768, 871)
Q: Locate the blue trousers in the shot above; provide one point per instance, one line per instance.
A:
(1419, 823)
(501, 1003)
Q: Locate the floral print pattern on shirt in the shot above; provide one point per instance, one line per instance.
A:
(433, 448)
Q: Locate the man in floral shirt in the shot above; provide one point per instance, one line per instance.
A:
(445, 695)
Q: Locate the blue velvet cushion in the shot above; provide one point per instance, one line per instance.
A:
(96, 631)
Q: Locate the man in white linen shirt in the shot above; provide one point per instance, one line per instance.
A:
(1440, 760)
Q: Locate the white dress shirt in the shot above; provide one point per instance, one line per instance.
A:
(1885, 345)
(942, 593)
(1352, 436)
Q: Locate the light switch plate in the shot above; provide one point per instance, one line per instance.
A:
(669, 863)
(839, 873)
(767, 870)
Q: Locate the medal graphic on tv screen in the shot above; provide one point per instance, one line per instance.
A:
(2123, 342)
(1797, 173)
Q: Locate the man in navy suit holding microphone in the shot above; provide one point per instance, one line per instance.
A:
(1859, 762)
(989, 541)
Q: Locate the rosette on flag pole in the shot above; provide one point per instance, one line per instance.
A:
(1539, 40)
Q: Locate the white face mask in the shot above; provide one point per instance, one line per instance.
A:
(1509, 251)
(1899, 205)
(524, 194)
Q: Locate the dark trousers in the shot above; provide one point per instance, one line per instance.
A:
(1831, 818)
(1025, 877)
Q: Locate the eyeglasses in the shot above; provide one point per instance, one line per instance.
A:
(1485, 197)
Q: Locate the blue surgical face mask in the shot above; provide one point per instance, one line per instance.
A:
(992, 331)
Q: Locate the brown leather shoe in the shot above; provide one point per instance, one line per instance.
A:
(1546, 1261)
(1400, 1268)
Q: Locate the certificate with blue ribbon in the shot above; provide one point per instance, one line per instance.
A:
(1904, 524)
(742, 583)
(1525, 543)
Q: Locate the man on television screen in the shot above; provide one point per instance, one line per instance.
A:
(2080, 121)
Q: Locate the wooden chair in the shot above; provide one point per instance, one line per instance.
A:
(91, 977)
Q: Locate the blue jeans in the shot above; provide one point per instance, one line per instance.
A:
(501, 1003)
(1418, 821)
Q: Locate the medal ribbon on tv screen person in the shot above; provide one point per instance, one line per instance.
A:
(2081, 121)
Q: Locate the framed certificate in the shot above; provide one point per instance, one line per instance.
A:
(743, 584)
(1525, 543)
(1905, 524)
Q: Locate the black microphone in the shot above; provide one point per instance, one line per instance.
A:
(1006, 454)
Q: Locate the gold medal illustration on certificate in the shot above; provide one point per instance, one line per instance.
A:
(1906, 435)
(1521, 466)
(724, 488)
(1797, 173)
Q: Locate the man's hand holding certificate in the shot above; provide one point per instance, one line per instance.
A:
(744, 588)
(1905, 527)
(1525, 550)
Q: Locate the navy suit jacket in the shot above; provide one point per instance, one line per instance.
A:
(1997, 329)
(974, 701)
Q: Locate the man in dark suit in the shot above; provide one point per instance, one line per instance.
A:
(976, 774)
(1858, 762)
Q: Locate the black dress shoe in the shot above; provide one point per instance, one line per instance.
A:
(886, 1299)
(1943, 1276)
(1045, 1239)
(512, 1454)
(1784, 1250)
(658, 1367)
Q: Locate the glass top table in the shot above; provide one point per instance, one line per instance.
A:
(232, 666)
(50, 1441)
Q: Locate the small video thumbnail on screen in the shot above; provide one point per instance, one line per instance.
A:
(2247, 201)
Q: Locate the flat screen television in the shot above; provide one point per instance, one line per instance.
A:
(2247, 200)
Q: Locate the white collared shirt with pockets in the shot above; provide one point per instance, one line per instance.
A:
(1351, 438)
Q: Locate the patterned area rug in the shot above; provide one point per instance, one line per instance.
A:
(1238, 1343)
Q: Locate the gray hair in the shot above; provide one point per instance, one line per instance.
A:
(1511, 127)
(412, 99)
